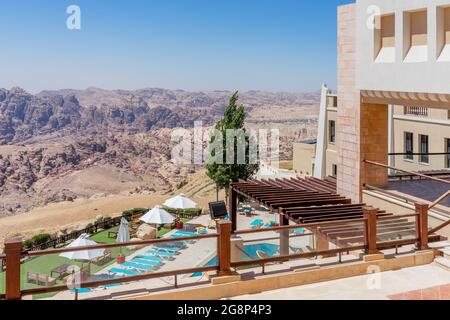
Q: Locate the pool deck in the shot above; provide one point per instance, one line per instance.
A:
(196, 254)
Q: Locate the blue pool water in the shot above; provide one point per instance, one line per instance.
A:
(250, 250)
(86, 290)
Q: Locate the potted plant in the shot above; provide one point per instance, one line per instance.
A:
(120, 258)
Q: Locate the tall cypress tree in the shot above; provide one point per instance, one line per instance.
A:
(223, 174)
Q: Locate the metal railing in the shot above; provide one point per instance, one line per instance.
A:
(431, 177)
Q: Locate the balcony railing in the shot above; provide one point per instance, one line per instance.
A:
(416, 111)
(369, 243)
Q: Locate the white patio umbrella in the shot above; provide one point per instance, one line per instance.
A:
(157, 216)
(123, 235)
(180, 202)
(84, 255)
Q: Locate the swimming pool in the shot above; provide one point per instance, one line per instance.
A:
(250, 254)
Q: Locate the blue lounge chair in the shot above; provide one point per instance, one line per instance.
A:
(146, 262)
(299, 231)
(186, 233)
(166, 249)
(125, 272)
(180, 236)
(257, 223)
(137, 266)
(150, 258)
(160, 254)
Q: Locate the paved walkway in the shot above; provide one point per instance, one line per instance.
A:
(384, 286)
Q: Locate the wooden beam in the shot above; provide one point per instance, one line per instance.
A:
(13, 248)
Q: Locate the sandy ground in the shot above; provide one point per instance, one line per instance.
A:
(77, 214)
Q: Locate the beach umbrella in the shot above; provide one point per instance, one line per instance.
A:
(123, 235)
(84, 255)
(157, 216)
(180, 202)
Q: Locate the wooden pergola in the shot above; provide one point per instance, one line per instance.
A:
(315, 201)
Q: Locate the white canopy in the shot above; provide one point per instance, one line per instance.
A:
(85, 255)
(180, 202)
(124, 232)
(157, 216)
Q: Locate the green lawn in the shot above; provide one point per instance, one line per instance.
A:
(44, 264)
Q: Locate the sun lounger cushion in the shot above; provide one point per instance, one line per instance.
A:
(136, 266)
(123, 271)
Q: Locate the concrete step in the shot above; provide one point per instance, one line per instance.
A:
(445, 252)
(443, 263)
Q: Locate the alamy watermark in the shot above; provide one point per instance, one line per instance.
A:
(233, 146)
(73, 21)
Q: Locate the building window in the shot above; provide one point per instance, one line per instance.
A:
(334, 170)
(385, 39)
(424, 149)
(332, 131)
(409, 146)
(448, 153)
(416, 111)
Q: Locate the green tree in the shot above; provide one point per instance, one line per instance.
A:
(226, 171)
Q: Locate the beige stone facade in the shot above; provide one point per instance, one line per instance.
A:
(366, 88)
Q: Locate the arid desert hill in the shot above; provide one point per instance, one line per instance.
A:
(67, 146)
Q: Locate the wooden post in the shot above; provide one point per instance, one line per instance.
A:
(224, 247)
(284, 234)
(370, 214)
(422, 225)
(232, 207)
(13, 248)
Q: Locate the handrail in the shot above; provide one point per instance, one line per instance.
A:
(439, 200)
(400, 197)
(93, 284)
(116, 245)
(406, 171)
(398, 216)
(296, 256)
(305, 226)
(440, 227)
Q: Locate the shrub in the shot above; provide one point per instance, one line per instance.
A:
(184, 213)
(41, 238)
(129, 213)
(28, 243)
(37, 240)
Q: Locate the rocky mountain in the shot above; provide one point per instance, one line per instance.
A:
(62, 145)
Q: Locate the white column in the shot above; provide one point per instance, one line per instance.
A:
(391, 142)
(321, 148)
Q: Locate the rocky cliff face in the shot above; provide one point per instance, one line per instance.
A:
(61, 145)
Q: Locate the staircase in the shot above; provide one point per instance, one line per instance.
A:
(444, 260)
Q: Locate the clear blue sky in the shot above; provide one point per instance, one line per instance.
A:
(275, 45)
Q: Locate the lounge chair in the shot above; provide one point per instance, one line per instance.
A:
(160, 254)
(125, 272)
(186, 233)
(146, 262)
(256, 224)
(175, 244)
(166, 249)
(137, 266)
(299, 231)
(177, 235)
(150, 258)
(103, 259)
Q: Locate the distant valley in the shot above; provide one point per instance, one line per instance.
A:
(59, 146)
